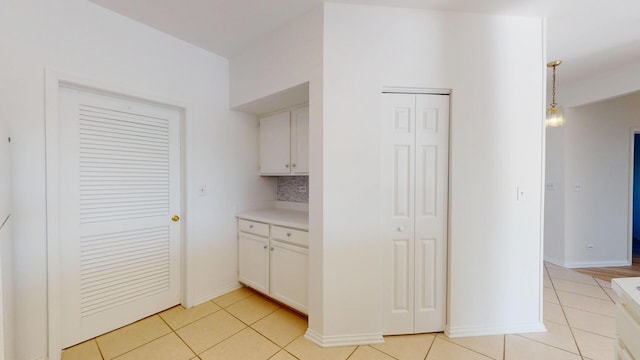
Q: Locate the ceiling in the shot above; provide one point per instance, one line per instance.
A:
(590, 36)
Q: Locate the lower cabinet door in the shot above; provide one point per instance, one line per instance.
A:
(289, 275)
(253, 261)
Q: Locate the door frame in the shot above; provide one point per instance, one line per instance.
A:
(53, 81)
(633, 131)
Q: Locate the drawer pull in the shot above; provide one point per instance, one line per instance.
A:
(250, 226)
(265, 246)
(271, 248)
(288, 234)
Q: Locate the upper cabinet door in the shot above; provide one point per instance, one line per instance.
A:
(275, 144)
(300, 141)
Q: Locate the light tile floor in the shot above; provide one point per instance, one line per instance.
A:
(579, 314)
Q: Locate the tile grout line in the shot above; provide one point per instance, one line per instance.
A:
(179, 337)
(223, 340)
(573, 336)
(464, 347)
(430, 347)
(383, 351)
(95, 339)
(141, 345)
(352, 352)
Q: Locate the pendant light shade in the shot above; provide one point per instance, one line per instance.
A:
(555, 115)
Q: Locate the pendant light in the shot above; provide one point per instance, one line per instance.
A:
(555, 116)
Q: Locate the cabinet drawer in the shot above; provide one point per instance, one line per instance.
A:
(292, 236)
(253, 227)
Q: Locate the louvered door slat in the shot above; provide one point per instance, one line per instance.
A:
(112, 143)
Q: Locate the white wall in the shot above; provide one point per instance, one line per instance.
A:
(597, 145)
(280, 60)
(6, 245)
(82, 39)
(554, 203)
(495, 67)
(607, 84)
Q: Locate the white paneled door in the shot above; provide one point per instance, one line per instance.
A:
(415, 153)
(119, 211)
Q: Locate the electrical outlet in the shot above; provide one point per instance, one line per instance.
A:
(590, 246)
(577, 187)
(302, 189)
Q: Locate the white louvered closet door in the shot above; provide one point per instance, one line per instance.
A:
(119, 189)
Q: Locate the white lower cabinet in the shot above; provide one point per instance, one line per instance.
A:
(253, 262)
(289, 266)
(627, 317)
(274, 260)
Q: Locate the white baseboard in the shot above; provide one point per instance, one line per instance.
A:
(465, 331)
(343, 340)
(212, 295)
(554, 261)
(590, 264)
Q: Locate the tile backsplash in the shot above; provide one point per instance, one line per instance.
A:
(290, 188)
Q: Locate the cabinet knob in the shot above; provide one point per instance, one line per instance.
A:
(400, 228)
(288, 234)
(287, 166)
(250, 226)
(293, 165)
(272, 249)
(265, 246)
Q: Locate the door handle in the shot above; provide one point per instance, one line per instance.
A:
(175, 218)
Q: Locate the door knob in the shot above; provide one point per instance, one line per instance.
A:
(175, 218)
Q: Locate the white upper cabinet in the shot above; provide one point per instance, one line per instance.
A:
(275, 148)
(300, 141)
(284, 143)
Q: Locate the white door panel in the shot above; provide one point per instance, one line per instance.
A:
(398, 143)
(275, 144)
(119, 187)
(431, 192)
(253, 261)
(289, 275)
(414, 195)
(300, 141)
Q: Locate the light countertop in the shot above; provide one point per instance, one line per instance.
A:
(284, 217)
(631, 288)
